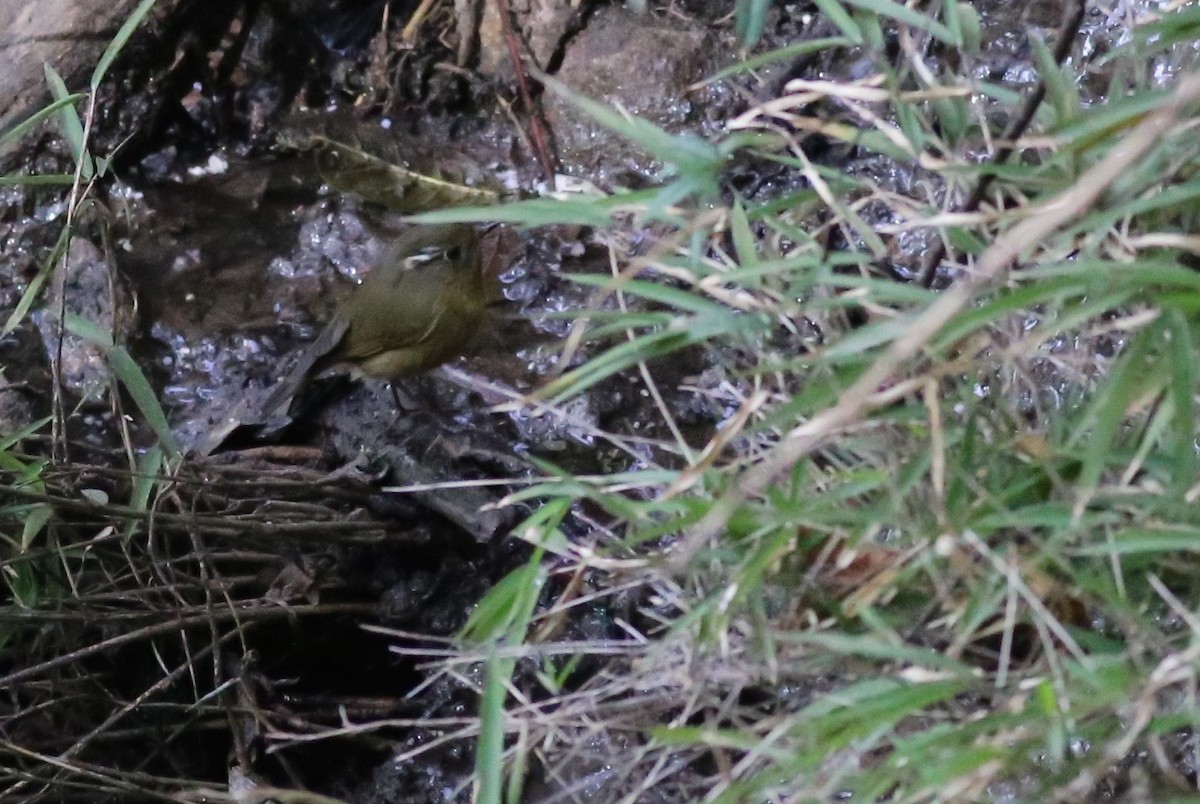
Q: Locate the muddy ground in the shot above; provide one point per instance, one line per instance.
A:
(230, 252)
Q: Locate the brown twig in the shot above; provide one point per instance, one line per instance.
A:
(236, 524)
(159, 686)
(134, 785)
(171, 626)
(536, 129)
(1067, 31)
(409, 32)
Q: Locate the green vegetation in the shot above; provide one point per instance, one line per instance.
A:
(945, 542)
(946, 547)
(33, 569)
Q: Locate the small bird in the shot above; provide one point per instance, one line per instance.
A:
(419, 307)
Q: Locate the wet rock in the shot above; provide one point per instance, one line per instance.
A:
(24, 379)
(16, 406)
(641, 63)
(67, 34)
(542, 24)
(93, 292)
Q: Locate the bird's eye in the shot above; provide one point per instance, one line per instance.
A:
(453, 253)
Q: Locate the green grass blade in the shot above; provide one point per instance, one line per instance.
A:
(118, 42)
(836, 13)
(909, 17)
(149, 466)
(38, 180)
(749, 19)
(489, 748)
(130, 375)
(69, 122)
(35, 286)
(28, 124)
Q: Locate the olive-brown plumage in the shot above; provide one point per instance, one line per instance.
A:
(419, 307)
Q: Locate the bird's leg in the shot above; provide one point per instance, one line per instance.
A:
(417, 398)
(405, 402)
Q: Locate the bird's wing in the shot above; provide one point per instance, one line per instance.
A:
(326, 344)
(377, 327)
(311, 362)
(371, 341)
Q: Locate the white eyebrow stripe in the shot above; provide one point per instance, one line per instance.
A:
(423, 256)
